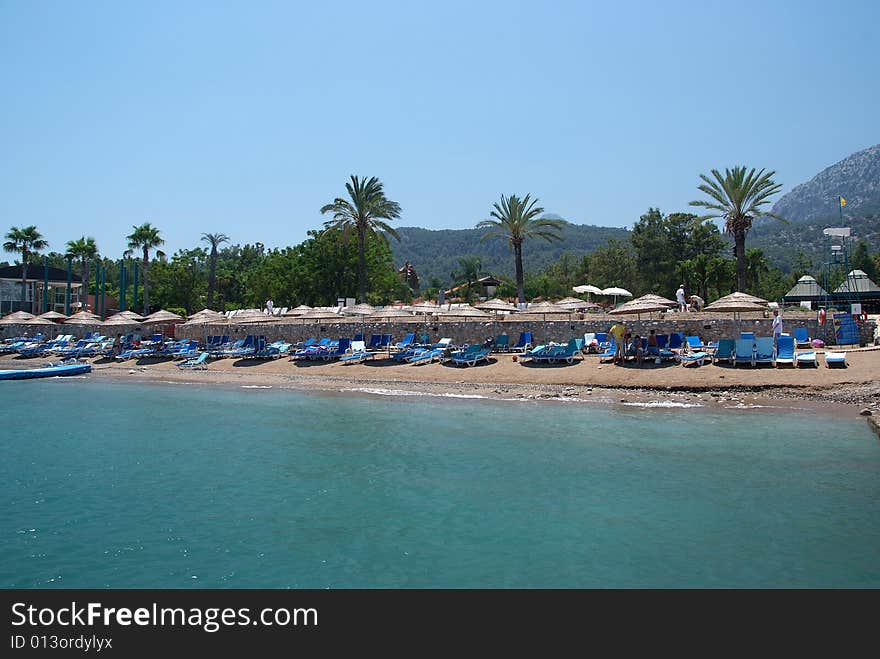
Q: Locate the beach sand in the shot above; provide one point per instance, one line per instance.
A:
(857, 386)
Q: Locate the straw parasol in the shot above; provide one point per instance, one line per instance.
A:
(83, 318)
(37, 320)
(639, 307)
(738, 297)
(496, 304)
(576, 304)
(118, 319)
(545, 308)
(425, 307)
(206, 316)
(53, 315)
(298, 311)
(361, 309)
(129, 316)
(463, 312)
(387, 313)
(253, 317)
(16, 317)
(658, 299)
(162, 316)
(735, 306)
(319, 314)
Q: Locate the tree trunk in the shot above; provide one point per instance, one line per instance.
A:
(146, 282)
(211, 275)
(520, 283)
(24, 256)
(739, 251)
(84, 291)
(362, 266)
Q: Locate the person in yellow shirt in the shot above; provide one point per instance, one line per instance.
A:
(618, 333)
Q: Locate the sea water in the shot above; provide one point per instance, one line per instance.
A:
(117, 485)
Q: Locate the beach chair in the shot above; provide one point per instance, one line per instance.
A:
(724, 351)
(523, 343)
(337, 351)
(696, 358)
(694, 343)
(785, 350)
(386, 341)
(744, 352)
(427, 356)
(676, 341)
(567, 353)
(357, 353)
(747, 335)
(375, 341)
(407, 342)
(806, 358)
(472, 357)
(835, 359)
(502, 343)
(199, 363)
(608, 355)
(801, 337)
(765, 351)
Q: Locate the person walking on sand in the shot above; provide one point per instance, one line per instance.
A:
(679, 297)
(618, 334)
(776, 327)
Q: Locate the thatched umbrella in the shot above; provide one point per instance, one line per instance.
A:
(659, 299)
(16, 317)
(129, 316)
(117, 320)
(53, 316)
(734, 305)
(545, 308)
(298, 311)
(638, 307)
(463, 312)
(362, 309)
(576, 304)
(206, 316)
(163, 316)
(37, 320)
(83, 318)
(737, 297)
(496, 304)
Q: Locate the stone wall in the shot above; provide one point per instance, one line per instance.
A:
(707, 327)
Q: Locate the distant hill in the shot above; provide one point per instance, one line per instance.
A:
(813, 206)
(435, 253)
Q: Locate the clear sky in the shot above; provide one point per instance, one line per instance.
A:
(245, 118)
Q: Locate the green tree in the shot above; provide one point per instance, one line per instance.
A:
(179, 282)
(468, 272)
(515, 220)
(145, 237)
(738, 198)
(363, 213)
(861, 260)
(757, 267)
(86, 250)
(613, 265)
(28, 241)
(214, 240)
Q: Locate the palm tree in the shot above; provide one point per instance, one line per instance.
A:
(738, 197)
(28, 241)
(469, 271)
(145, 237)
(517, 219)
(214, 240)
(364, 213)
(85, 250)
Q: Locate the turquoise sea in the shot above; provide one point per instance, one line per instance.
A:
(120, 485)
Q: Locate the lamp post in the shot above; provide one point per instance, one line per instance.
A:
(69, 280)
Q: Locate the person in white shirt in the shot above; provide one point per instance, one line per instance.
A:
(776, 327)
(679, 297)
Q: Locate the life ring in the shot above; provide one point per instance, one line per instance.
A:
(821, 316)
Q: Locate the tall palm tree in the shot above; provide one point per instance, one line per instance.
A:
(517, 219)
(214, 240)
(28, 241)
(738, 198)
(362, 213)
(85, 250)
(145, 237)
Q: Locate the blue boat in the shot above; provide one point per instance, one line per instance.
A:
(50, 371)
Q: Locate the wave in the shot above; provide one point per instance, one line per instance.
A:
(663, 403)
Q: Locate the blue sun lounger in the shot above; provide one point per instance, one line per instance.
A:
(785, 350)
(724, 351)
(694, 358)
(765, 351)
(744, 352)
(835, 359)
(472, 357)
(807, 358)
(199, 363)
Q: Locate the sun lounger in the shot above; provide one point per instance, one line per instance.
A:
(807, 358)
(835, 359)
(607, 355)
(724, 351)
(747, 335)
(694, 358)
(428, 356)
(765, 351)
(502, 343)
(744, 352)
(471, 358)
(567, 353)
(676, 341)
(357, 353)
(802, 337)
(785, 350)
(694, 343)
(523, 343)
(199, 363)
(407, 342)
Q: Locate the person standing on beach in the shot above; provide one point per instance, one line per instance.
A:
(679, 297)
(618, 333)
(776, 327)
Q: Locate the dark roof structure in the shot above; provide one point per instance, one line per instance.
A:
(36, 273)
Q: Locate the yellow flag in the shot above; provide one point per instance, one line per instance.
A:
(842, 202)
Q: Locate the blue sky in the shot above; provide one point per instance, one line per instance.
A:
(245, 118)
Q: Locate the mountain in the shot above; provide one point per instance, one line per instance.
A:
(435, 253)
(813, 206)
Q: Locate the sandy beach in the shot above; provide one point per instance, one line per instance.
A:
(850, 389)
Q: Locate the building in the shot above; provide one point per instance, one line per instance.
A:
(10, 289)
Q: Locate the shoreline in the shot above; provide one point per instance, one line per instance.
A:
(838, 391)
